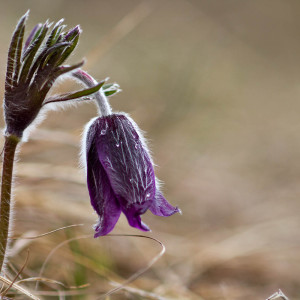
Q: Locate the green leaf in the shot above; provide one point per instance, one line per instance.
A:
(31, 52)
(15, 48)
(41, 60)
(51, 50)
(59, 35)
(111, 92)
(72, 96)
(30, 40)
(65, 69)
(18, 57)
(53, 34)
(110, 89)
(67, 52)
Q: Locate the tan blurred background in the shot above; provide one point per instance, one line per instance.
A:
(215, 84)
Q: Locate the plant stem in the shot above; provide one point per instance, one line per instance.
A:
(10, 146)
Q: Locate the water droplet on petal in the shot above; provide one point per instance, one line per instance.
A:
(135, 135)
(148, 195)
(136, 146)
(103, 131)
(117, 145)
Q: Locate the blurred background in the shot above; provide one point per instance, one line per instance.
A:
(215, 84)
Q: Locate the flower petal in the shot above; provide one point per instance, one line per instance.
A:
(128, 166)
(161, 207)
(119, 158)
(102, 196)
(133, 214)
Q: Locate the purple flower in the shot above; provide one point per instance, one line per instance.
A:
(120, 174)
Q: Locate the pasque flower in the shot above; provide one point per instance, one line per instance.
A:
(120, 173)
(32, 70)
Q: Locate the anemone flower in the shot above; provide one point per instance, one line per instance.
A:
(120, 172)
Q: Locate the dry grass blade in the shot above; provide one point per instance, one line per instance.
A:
(130, 279)
(142, 293)
(56, 248)
(48, 280)
(17, 275)
(277, 295)
(47, 233)
(124, 27)
(62, 293)
(141, 271)
(18, 288)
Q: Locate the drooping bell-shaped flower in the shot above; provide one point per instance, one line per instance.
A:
(120, 173)
(32, 70)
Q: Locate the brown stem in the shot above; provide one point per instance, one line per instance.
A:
(6, 185)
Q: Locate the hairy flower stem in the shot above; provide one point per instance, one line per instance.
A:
(10, 146)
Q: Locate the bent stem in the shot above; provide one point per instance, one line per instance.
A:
(10, 146)
(88, 80)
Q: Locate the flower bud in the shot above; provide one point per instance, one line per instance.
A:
(33, 69)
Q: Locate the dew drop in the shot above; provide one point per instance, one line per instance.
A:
(103, 131)
(118, 145)
(148, 195)
(135, 135)
(136, 146)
